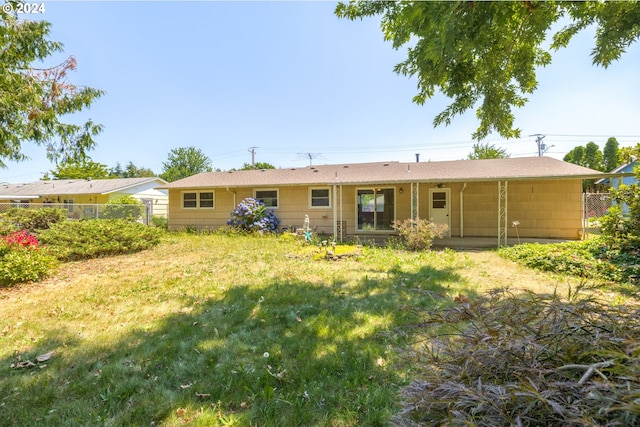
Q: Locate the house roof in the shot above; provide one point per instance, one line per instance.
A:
(72, 187)
(527, 168)
(625, 169)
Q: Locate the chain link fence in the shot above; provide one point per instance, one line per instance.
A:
(595, 206)
(144, 213)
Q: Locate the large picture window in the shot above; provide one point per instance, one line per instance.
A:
(268, 197)
(198, 200)
(376, 209)
(319, 198)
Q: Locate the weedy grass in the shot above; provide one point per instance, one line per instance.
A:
(228, 330)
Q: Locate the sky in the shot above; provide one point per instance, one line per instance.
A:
(298, 86)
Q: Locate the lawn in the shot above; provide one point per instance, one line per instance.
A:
(230, 330)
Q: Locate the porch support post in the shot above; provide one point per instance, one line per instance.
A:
(415, 201)
(502, 213)
(337, 213)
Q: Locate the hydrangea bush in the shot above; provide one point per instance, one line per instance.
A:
(252, 215)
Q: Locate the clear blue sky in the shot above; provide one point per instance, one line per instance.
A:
(293, 80)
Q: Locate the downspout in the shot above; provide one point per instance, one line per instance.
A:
(234, 197)
(464, 187)
(335, 212)
(343, 228)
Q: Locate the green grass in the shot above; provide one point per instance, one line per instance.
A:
(210, 330)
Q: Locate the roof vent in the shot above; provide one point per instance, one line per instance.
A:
(385, 164)
(345, 166)
(315, 170)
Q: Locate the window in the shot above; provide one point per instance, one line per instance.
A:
(319, 198)
(268, 197)
(197, 200)
(206, 200)
(68, 205)
(439, 200)
(189, 200)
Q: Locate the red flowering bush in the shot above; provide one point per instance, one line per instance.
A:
(21, 238)
(20, 261)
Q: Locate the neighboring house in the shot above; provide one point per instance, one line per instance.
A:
(480, 198)
(76, 194)
(616, 181)
(625, 175)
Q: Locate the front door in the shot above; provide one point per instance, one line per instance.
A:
(439, 207)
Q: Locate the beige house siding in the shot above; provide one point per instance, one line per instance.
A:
(544, 208)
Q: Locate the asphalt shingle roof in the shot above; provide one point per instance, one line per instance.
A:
(390, 172)
(73, 186)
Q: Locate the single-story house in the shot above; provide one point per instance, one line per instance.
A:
(75, 194)
(480, 198)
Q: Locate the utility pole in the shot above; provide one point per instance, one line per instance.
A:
(542, 147)
(252, 150)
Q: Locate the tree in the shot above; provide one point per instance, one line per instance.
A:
(183, 162)
(130, 171)
(628, 154)
(33, 101)
(484, 55)
(80, 169)
(610, 159)
(257, 165)
(575, 156)
(487, 151)
(593, 156)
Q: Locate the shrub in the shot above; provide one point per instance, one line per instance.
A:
(74, 240)
(124, 207)
(589, 259)
(251, 215)
(418, 235)
(7, 226)
(21, 238)
(510, 360)
(35, 219)
(621, 225)
(160, 222)
(21, 260)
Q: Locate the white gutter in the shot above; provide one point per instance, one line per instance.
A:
(22, 197)
(464, 187)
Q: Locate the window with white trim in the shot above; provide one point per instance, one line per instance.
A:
(198, 200)
(319, 198)
(268, 196)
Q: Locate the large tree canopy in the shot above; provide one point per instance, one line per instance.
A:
(79, 169)
(33, 100)
(481, 151)
(484, 55)
(183, 162)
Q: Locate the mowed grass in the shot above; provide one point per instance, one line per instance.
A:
(229, 330)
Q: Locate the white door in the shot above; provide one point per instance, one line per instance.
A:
(439, 207)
